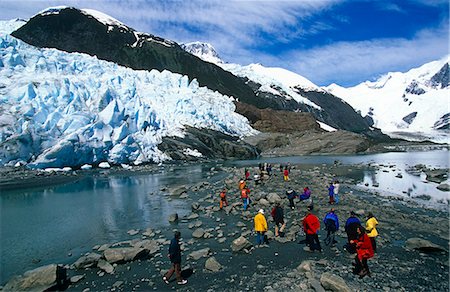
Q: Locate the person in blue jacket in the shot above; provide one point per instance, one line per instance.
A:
(291, 195)
(331, 221)
(351, 226)
(175, 258)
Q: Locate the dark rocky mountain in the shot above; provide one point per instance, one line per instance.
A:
(71, 30)
(442, 78)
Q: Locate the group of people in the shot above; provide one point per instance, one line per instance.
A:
(360, 240)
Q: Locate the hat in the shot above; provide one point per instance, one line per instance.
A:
(261, 211)
(353, 213)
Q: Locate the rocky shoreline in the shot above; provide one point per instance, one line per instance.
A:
(218, 252)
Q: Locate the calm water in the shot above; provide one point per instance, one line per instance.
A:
(42, 226)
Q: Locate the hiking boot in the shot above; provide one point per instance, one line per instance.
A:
(182, 282)
(165, 280)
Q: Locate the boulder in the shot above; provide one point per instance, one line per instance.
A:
(264, 202)
(76, 278)
(423, 245)
(444, 187)
(196, 255)
(195, 206)
(173, 218)
(123, 254)
(192, 216)
(87, 261)
(333, 282)
(105, 266)
(179, 191)
(133, 232)
(240, 243)
(273, 198)
(150, 246)
(198, 233)
(305, 266)
(39, 279)
(213, 265)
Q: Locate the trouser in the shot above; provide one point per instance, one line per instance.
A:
(279, 229)
(176, 267)
(245, 201)
(329, 240)
(374, 244)
(286, 177)
(223, 202)
(313, 241)
(336, 198)
(259, 237)
(360, 266)
(291, 203)
(331, 199)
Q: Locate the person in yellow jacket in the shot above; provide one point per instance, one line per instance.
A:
(371, 229)
(260, 227)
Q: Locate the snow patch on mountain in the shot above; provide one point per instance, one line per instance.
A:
(68, 109)
(277, 81)
(416, 103)
(204, 51)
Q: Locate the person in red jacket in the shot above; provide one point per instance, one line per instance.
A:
(311, 226)
(364, 251)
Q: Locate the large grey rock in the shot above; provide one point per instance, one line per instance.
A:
(39, 279)
(264, 202)
(333, 282)
(213, 265)
(123, 254)
(444, 187)
(87, 261)
(173, 218)
(305, 266)
(179, 191)
(105, 266)
(422, 245)
(196, 255)
(150, 246)
(273, 198)
(240, 243)
(198, 233)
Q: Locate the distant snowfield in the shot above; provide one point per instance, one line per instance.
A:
(77, 109)
(389, 105)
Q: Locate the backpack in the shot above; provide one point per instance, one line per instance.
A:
(330, 225)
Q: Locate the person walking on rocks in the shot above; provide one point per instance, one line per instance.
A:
(278, 217)
(269, 169)
(286, 174)
(242, 184)
(245, 196)
(351, 225)
(336, 191)
(331, 221)
(311, 226)
(364, 251)
(260, 227)
(175, 258)
(331, 193)
(247, 174)
(291, 195)
(371, 225)
(223, 198)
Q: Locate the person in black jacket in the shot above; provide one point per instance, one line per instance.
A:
(175, 257)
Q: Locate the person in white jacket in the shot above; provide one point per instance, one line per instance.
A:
(336, 191)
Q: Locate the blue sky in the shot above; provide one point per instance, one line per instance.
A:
(327, 41)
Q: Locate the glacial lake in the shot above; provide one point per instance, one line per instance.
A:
(59, 223)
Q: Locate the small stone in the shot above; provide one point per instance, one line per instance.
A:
(198, 233)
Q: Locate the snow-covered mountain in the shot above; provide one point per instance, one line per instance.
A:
(204, 51)
(414, 105)
(68, 109)
(279, 88)
(8, 26)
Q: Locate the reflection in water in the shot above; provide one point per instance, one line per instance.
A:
(44, 225)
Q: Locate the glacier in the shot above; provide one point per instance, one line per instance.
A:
(61, 109)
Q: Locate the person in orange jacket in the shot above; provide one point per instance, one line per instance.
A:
(364, 251)
(223, 198)
(311, 226)
(242, 184)
(245, 197)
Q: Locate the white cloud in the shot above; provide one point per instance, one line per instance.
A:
(353, 62)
